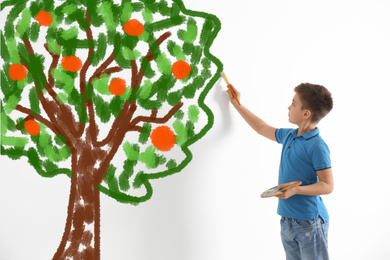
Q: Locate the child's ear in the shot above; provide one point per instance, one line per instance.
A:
(307, 115)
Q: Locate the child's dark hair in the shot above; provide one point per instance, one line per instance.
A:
(315, 98)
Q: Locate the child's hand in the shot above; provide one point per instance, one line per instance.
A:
(231, 96)
(288, 193)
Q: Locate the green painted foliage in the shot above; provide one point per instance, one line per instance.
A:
(94, 31)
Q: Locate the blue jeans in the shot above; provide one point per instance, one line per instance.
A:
(305, 239)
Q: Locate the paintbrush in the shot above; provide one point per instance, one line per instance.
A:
(223, 75)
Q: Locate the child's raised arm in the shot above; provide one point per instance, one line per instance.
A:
(255, 122)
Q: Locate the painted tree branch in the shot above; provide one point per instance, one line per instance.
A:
(121, 121)
(126, 112)
(49, 109)
(65, 109)
(29, 47)
(60, 115)
(160, 40)
(124, 127)
(112, 70)
(38, 118)
(99, 71)
(117, 138)
(128, 109)
(153, 114)
(88, 106)
(87, 63)
(149, 55)
(93, 131)
(53, 65)
(135, 75)
(154, 119)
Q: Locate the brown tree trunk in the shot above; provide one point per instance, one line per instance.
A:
(81, 238)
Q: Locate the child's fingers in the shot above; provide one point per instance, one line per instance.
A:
(284, 185)
(229, 92)
(230, 86)
(231, 97)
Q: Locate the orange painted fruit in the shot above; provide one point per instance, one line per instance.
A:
(117, 86)
(181, 69)
(163, 138)
(71, 63)
(17, 72)
(32, 127)
(44, 18)
(133, 27)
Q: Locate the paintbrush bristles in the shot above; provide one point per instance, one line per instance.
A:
(223, 75)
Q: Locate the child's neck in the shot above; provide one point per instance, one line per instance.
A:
(306, 127)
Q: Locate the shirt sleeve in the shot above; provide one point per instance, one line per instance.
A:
(282, 133)
(320, 155)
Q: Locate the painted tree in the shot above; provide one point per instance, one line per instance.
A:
(110, 94)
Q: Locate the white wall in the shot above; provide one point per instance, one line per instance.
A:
(212, 210)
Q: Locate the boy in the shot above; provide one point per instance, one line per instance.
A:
(305, 157)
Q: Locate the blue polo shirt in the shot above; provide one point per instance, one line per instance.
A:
(302, 156)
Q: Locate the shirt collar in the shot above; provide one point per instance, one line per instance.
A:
(310, 134)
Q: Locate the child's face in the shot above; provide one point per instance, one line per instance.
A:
(295, 112)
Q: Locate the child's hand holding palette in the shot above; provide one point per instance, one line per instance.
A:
(277, 190)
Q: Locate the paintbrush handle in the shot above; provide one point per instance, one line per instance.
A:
(234, 94)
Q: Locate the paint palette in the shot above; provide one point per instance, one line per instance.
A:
(277, 190)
